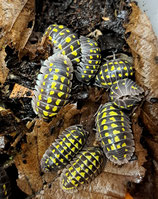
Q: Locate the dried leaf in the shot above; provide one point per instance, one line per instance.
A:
(21, 91)
(3, 68)
(144, 47)
(17, 22)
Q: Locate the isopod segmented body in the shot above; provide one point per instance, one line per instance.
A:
(84, 168)
(64, 41)
(64, 148)
(90, 60)
(53, 86)
(115, 134)
(5, 189)
(113, 70)
(126, 93)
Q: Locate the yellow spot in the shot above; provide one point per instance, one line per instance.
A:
(114, 125)
(54, 108)
(77, 60)
(125, 137)
(61, 26)
(74, 53)
(106, 134)
(53, 85)
(110, 63)
(96, 62)
(112, 113)
(67, 30)
(38, 103)
(54, 41)
(40, 97)
(45, 113)
(58, 102)
(63, 52)
(113, 147)
(71, 47)
(50, 69)
(44, 83)
(91, 57)
(89, 76)
(55, 30)
(108, 149)
(55, 77)
(115, 157)
(62, 79)
(103, 122)
(109, 141)
(50, 38)
(126, 74)
(120, 75)
(107, 76)
(125, 155)
(89, 61)
(123, 129)
(51, 92)
(87, 67)
(42, 89)
(112, 68)
(125, 68)
(49, 100)
(52, 114)
(118, 68)
(61, 33)
(68, 39)
(60, 46)
(117, 139)
(105, 127)
(47, 107)
(91, 44)
(131, 74)
(61, 87)
(124, 144)
(60, 94)
(116, 132)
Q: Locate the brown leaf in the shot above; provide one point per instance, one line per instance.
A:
(20, 91)
(144, 47)
(3, 68)
(16, 24)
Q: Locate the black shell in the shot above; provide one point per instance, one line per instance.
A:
(5, 189)
(126, 93)
(53, 86)
(115, 134)
(113, 70)
(90, 60)
(84, 168)
(64, 41)
(64, 148)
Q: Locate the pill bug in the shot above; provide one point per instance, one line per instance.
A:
(114, 132)
(90, 60)
(126, 93)
(84, 168)
(64, 148)
(5, 190)
(113, 70)
(53, 86)
(64, 41)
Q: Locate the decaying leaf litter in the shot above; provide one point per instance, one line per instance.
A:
(27, 145)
